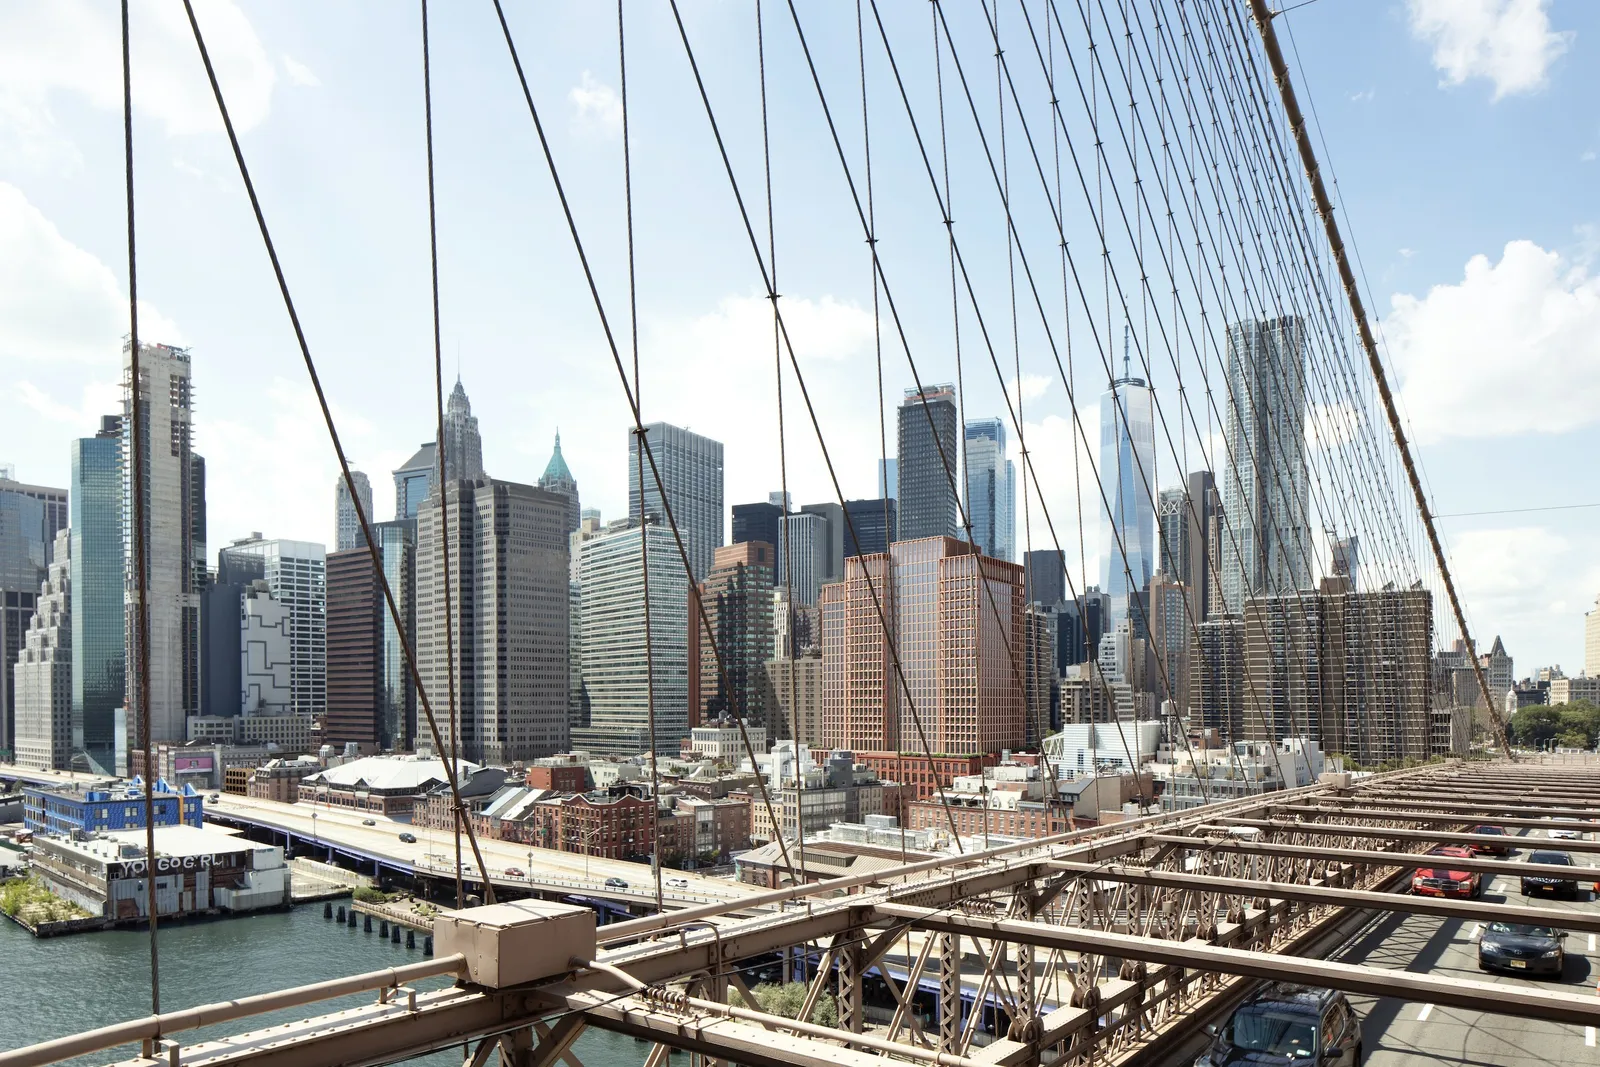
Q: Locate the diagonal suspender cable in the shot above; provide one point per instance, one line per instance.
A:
(755, 247)
(791, 648)
(644, 444)
(141, 707)
(1280, 71)
(454, 755)
(633, 405)
(333, 433)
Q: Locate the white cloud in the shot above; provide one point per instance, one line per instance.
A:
(596, 107)
(1034, 386)
(74, 47)
(99, 398)
(1465, 351)
(1587, 157)
(1407, 253)
(290, 485)
(1509, 42)
(1363, 97)
(299, 73)
(58, 302)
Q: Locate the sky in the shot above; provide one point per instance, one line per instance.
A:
(1462, 136)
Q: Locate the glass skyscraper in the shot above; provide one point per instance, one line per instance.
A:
(991, 489)
(98, 682)
(414, 481)
(614, 669)
(397, 542)
(928, 429)
(1265, 493)
(296, 574)
(30, 516)
(1127, 473)
(691, 471)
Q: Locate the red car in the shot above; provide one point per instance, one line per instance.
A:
(1444, 882)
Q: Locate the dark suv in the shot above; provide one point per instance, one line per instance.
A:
(1288, 1024)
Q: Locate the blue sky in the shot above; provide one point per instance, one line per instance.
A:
(1463, 136)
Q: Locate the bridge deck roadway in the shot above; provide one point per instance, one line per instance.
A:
(1398, 1032)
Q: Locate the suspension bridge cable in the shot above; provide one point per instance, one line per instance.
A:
(445, 486)
(327, 418)
(137, 473)
(633, 404)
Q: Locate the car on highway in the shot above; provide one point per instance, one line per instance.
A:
(1554, 881)
(670, 883)
(616, 883)
(511, 872)
(1562, 833)
(1498, 848)
(1285, 1024)
(1445, 881)
(364, 822)
(1522, 948)
(409, 838)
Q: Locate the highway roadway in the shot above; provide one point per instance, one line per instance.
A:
(345, 828)
(1397, 1032)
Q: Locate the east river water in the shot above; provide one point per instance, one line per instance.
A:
(66, 985)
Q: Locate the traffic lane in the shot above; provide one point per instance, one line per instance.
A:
(347, 828)
(1396, 1032)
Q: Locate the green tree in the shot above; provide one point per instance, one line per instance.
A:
(1535, 725)
(787, 1000)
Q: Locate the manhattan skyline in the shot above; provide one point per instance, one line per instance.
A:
(1512, 232)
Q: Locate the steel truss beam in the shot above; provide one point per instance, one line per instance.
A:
(1394, 833)
(1466, 910)
(1381, 859)
(1411, 815)
(1372, 981)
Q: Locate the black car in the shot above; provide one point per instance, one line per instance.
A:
(1288, 1024)
(1522, 949)
(409, 839)
(1553, 882)
(616, 883)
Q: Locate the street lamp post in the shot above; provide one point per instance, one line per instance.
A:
(530, 867)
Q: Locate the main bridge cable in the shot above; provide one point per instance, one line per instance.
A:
(439, 454)
(333, 433)
(755, 246)
(1280, 71)
(633, 407)
(141, 706)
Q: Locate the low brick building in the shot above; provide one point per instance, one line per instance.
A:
(922, 775)
(595, 824)
(694, 828)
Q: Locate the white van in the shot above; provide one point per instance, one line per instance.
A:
(676, 883)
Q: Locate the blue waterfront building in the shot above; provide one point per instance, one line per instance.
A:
(63, 809)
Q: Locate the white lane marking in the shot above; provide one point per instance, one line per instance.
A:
(1427, 1010)
(1479, 926)
(1588, 1036)
(1591, 942)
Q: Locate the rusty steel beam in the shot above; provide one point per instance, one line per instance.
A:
(1378, 858)
(1472, 811)
(1432, 817)
(1466, 910)
(1486, 997)
(1405, 834)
